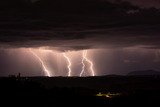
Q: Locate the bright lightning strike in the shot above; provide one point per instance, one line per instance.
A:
(69, 64)
(89, 61)
(83, 64)
(42, 63)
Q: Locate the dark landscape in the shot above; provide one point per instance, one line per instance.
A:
(105, 91)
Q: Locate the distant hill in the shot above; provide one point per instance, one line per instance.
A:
(144, 72)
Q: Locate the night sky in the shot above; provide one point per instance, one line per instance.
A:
(146, 3)
(119, 36)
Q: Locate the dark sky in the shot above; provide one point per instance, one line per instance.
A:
(146, 3)
(119, 37)
(143, 3)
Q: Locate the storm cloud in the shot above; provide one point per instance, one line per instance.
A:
(75, 40)
(119, 36)
(119, 25)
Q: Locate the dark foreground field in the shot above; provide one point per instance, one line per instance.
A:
(107, 91)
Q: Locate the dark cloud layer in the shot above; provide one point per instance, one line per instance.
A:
(103, 25)
(75, 40)
(146, 3)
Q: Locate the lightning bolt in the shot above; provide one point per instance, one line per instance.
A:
(69, 64)
(87, 60)
(42, 63)
(83, 63)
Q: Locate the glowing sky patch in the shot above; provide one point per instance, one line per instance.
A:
(91, 62)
